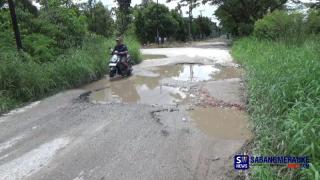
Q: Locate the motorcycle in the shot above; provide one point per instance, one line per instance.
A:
(118, 67)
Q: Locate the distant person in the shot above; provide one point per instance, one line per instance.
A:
(121, 50)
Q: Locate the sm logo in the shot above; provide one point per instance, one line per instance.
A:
(241, 162)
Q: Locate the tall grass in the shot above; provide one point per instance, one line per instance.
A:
(284, 102)
(134, 48)
(23, 80)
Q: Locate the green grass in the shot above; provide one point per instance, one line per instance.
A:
(283, 83)
(24, 80)
(134, 48)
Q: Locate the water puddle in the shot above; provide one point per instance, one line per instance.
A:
(153, 56)
(137, 89)
(222, 123)
(190, 72)
(165, 86)
(144, 90)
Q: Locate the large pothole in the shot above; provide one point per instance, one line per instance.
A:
(168, 84)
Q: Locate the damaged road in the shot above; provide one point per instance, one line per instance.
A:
(178, 117)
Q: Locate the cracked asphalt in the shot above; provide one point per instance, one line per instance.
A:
(71, 136)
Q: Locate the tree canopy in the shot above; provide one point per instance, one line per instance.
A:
(238, 16)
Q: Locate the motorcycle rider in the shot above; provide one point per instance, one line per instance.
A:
(122, 51)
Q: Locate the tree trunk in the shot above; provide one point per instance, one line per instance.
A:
(15, 24)
(190, 19)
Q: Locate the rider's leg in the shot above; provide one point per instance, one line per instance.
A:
(124, 61)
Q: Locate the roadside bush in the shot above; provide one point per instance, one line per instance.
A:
(40, 47)
(22, 79)
(65, 25)
(313, 22)
(284, 102)
(279, 25)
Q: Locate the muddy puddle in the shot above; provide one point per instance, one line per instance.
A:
(155, 89)
(224, 123)
(139, 89)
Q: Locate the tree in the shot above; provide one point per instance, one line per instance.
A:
(204, 26)
(123, 15)
(100, 20)
(147, 19)
(238, 16)
(191, 5)
(181, 33)
(15, 24)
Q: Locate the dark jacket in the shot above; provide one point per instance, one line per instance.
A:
(120, 48)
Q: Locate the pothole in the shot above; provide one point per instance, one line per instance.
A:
(224, 123)
(170, 85)
(189, 72)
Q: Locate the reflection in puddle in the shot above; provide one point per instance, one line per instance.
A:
(155, 89)
(222, 122)
(130, 90)
(189, 72)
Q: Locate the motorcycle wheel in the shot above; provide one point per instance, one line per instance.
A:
(129, 72)
(112, 73)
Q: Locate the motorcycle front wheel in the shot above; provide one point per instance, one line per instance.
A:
(113, 72)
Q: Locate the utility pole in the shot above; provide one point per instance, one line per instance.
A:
(15, 24)
(158, 23)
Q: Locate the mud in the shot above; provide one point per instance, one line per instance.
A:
(224, 123)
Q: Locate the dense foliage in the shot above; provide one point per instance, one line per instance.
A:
(289, 27)
(170, 23)
(100, 20)
(64, 45)
(280, 25)
(147, 19)
(284, 102)
(238, 16)
(283, 71)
